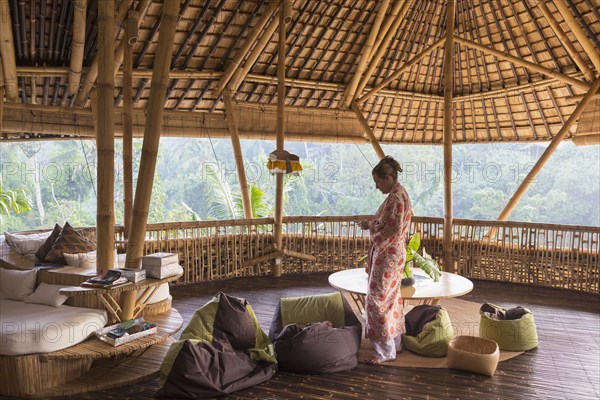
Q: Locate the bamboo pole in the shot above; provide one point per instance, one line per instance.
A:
(134, 23)
(7, 50)
(77, 45)
(152, 132)
(252, 36)
(383, 47)
(105, 212)
(367, 130)
(401, 70)
(589, 48)
(448, 88)
(523, 63)
(2, 91)
(92, 73)
(278, 220)
(516, 197)
(130, 30)
(365, 54)
(237, 152)
(562, 36)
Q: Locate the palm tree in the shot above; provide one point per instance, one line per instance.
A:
(13, 200)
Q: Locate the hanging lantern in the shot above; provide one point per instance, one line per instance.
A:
(283, 162)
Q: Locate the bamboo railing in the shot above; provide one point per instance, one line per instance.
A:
(557, 256)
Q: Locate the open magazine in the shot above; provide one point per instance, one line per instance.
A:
(105, 279)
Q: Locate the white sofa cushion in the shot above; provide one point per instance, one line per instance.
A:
(16, 284)
(88, 260)
(26, 244)
(47, 294)
(29, 328)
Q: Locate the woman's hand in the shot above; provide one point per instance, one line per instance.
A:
(364, 224)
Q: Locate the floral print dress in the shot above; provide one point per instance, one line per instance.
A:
(388, 231)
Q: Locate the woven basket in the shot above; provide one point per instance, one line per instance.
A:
(475, 354)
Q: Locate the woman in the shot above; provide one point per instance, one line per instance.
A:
(385, 265)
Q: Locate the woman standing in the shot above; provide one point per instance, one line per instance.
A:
(385, 265)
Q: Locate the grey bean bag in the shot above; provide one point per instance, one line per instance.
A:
(316, 334)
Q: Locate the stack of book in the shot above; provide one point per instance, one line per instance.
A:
(161, 265)
(126, 331)
(105, 279)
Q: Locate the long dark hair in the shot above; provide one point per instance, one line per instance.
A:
(387, 167)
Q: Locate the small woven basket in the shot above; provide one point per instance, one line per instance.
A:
(475, 354)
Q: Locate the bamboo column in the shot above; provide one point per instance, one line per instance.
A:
(237, 151)
(1, 95)
(105, 212)
(77, 45)
(367, 130)
(278, 222)
(7, 49)
(562, 36)
(130, 33)
(448, 87)
(152, 132)
(514, 200)
(589, 48)
(523, 63)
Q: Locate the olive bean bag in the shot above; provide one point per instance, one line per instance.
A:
(428, 331)
(316, 334)
(222, 350)
(513, 329)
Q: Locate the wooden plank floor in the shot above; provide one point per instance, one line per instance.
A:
(566, 365)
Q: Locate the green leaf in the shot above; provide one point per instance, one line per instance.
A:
(413, 244)
(427, 264)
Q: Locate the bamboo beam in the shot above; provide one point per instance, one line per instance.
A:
(7, 50)
(105, 212)
(367, 130)
(237, 152)
(131, 29)
(401, 70)
(523, 63)
(77, 45)
(514, 200)
(383, 47)
(240, 73)
(562, 36)
(152, 133)
(92, 73)
(448, 124)
(365, 54)
(252, 36)
(278, 217)
(589, 48)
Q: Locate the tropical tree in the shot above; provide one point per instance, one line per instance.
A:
(16, 201)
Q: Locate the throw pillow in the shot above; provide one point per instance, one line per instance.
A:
(69, 241)
(48, 295)
(86, 260)
(16, 284)
(47, 246)
(26, 245)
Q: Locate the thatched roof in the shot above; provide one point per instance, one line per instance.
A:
(544, 55)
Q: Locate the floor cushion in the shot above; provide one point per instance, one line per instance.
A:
(316, 334)
(513, 329)
(222, 350)
(428, 331)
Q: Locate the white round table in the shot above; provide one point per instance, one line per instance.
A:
(424, 291)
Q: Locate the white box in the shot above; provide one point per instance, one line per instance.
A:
(161, 272)
(102, 335)
(133, 275)
(160, 259)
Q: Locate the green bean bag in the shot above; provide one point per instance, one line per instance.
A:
(428, 331)
(316, 334)
(222, 350)
(513, 329)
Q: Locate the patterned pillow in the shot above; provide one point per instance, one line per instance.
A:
(69, 241)
(47, 246)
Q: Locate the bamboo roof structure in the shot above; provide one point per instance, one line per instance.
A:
(520, 68)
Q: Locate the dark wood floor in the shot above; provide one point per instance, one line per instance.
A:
(566, 365)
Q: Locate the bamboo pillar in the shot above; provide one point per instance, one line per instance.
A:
(105, 212)
(367, 129)
(448, 87)
(514, 200)
(7, 49)
(237, 151)
(152, 132)
(1, 94)
(562, 36)
(130, 31)
(589, 48)
(278, 220)
(77, 45)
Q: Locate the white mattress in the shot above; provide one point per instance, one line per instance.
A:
(28, 328)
